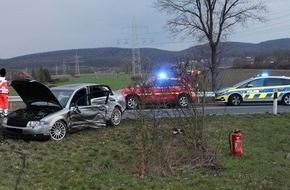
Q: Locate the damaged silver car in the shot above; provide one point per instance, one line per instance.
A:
(53, 112)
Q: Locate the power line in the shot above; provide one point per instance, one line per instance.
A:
(136, 41)
(63, 68)
(136, 60)
(77, 64)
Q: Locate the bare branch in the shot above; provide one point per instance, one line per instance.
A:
(210, 20)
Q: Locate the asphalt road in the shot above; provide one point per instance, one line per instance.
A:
(216, 109)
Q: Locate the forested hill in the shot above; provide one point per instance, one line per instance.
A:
(115, 57)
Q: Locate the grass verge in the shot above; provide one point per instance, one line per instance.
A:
(106, 158)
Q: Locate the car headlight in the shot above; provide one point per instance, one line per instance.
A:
(34, 124)
(221, 93)
(5, 120)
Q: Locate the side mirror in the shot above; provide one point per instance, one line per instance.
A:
(250, 85)
(76, 109)
(72, 105)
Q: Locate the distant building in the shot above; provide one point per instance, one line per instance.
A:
(23, 75)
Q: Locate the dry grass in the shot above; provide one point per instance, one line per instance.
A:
(229, 77)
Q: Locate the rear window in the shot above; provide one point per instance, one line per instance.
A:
(276, 82)
(286, 81)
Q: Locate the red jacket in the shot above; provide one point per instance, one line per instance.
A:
(3, 86)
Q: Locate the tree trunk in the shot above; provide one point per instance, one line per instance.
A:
(214, 69)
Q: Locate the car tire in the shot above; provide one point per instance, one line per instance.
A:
(116, 117)
(183, 101)
(58, 131)
(235, 100)
(132, 102)
(286, 100)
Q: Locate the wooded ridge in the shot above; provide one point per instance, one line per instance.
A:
(116, 57)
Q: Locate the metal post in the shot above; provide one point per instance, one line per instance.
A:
(275, 102)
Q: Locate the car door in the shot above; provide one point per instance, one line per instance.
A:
(167, 90)
(83, 113)
(252, 90)
(101, 97)
(273, 85)
(174, 89)
(148, 91)
(160, 91)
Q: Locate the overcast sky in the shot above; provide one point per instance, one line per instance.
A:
(35, 26)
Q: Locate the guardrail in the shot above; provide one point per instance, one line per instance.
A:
(14, 99)
(205, 94)
(13, 102)
(199, 95)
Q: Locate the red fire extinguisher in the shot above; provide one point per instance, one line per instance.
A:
(235, 141)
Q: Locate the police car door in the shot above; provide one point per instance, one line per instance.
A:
(273, 85)
(254, 90)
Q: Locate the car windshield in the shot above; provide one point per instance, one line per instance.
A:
(62, 95)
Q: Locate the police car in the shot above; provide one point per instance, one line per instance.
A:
(257, 89)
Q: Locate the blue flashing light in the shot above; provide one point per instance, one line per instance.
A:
(263, 75)
(162, 75)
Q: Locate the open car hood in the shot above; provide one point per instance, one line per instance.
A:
(32, 91)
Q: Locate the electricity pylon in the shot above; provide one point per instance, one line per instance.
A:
(136, 60)
(77, 65)
(56, 70)
(63, 68)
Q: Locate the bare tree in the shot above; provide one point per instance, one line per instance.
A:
(209, 21)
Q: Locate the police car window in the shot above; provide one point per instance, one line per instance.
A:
(255, 83)
(286, 82)
(273, 82)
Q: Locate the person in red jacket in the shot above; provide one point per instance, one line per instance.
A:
(3, 93)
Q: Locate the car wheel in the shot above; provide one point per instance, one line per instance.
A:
(183, 101)
(116, 117)
(286, 99)
(58, 131)
(132, 102)
(235, 100)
